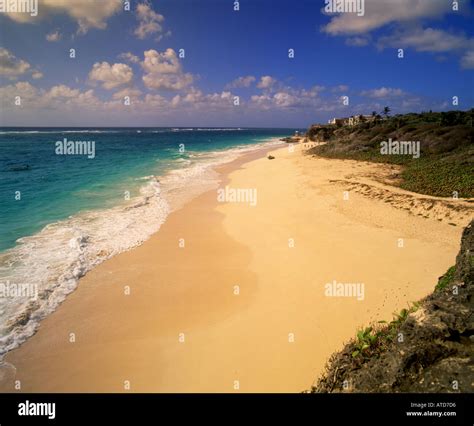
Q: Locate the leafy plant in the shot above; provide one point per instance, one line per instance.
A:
(446, 279)
(366, 339)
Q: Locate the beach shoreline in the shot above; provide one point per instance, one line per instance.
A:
(229, 297)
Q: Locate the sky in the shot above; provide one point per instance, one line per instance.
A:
(222, 63)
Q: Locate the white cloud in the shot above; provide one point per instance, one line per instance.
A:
(111, 76)
(340, 88)
(28, 94)
(87, 13)
(128, 56)
(211, 101)
(467, 61)
(266, 82)
(168, 81)
(53, 36)
(37, 75)
(426, 40)
(10, 65)
(382, 12)
(58, 97)
(149, 21)
(132, 93)
(289, 98)
(62, 91)
(383, 93)
(164, 71)
(165, 63)
(246, 81)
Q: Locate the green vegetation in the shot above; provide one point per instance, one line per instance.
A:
(374, 340)
(446, 161)
(446, 279)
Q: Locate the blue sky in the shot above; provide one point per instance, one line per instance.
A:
(236, 70)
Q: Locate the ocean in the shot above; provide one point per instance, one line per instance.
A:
(62, 213)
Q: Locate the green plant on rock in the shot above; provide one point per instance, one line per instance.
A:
(366, 339)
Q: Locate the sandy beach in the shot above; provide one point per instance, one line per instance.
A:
(230, 297)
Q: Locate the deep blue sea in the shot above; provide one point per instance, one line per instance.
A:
(62, 213)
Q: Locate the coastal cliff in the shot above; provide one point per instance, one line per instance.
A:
(442, 165)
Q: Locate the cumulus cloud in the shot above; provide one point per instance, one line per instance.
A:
(427, 40)
(266, 82)
(382, 12)
(289, 98)
(383, 93)
(149, 21)
(161, 63)
(246, 81)
(10, 65)
(128, 56)
(467, 61)
(131, 93)
(168, 81)
(404, 19)
(87, 13)
(195, 98)
(53, 36)
(58, 97)
(164, 71)
(37, 75)
(111, 76)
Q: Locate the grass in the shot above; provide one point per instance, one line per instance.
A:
(445, 166)
(446, 279)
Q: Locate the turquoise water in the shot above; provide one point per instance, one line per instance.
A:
(52, 187)
(62, 214)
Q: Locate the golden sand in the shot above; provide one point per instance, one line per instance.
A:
(242, 306)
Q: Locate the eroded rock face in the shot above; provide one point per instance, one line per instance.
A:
(437, 351)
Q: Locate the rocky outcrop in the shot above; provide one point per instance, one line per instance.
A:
(429, 348)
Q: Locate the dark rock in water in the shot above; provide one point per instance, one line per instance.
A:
(436, 353)
(20, 168)
(271, 157)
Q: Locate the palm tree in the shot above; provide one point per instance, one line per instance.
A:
(386, 111)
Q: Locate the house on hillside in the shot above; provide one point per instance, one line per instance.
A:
(339, 121)
(351, 121)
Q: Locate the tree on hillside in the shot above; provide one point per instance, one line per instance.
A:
(386, 111)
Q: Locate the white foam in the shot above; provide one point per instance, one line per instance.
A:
(53, 260)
